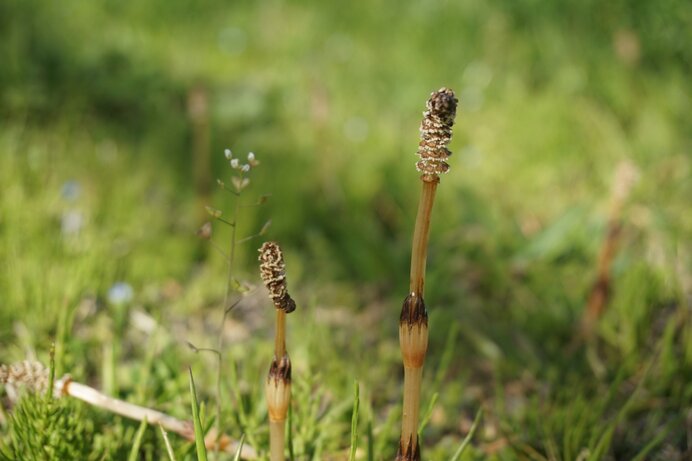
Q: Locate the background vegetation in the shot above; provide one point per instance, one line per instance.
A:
(98, 211)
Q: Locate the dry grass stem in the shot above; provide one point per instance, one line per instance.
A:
(33, 376)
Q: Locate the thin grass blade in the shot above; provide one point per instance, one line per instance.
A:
(167, 443)
(354, 422)
(51, 376)
(469, 436)
(291, 454)
(447, 356)
(642, 455)
(371, 442)
(199, 433)
(236, 457)
(134, 452)
(428, 413)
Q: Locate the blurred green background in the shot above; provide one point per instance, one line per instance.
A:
(109, 110)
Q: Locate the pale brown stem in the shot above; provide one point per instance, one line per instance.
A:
(419, 250)
(280, 337)
(276, 440)
(413, 324)
(411, 411)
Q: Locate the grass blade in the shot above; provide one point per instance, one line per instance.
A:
(354, 423)
(448, 354)
(291, 454)
(428, 413)
(641, 456)
(167, 443)
(606, 439)
(469, 436)
(51, 375)
(371, 445)
(236, 457)
(134, 452)
(199, 433)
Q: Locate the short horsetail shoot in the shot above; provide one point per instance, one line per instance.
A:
(278, 386)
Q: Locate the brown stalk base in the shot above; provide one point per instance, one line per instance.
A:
(410, 453)
(413, 340)
(278, 395)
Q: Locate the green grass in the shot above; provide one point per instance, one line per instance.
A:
(196, 420)
(329, 98)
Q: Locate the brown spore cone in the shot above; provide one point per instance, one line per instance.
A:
(273, 272)
(435, 134)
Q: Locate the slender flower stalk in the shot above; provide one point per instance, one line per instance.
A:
(239, 181)
(278, 386)
(34, 377)
(436, 132)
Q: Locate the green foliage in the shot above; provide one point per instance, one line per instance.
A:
(354, 422)
(134, 452)
(200, 446)
(467, 440)
(42, 428)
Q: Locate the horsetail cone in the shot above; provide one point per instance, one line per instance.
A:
(435, 134)
(273, 271)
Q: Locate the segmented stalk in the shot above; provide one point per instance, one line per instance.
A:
(278, 385)
(436, 132)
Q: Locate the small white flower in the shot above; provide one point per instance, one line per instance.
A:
(251, 157)
(228, 154)
(234, 163)
(245, 168)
